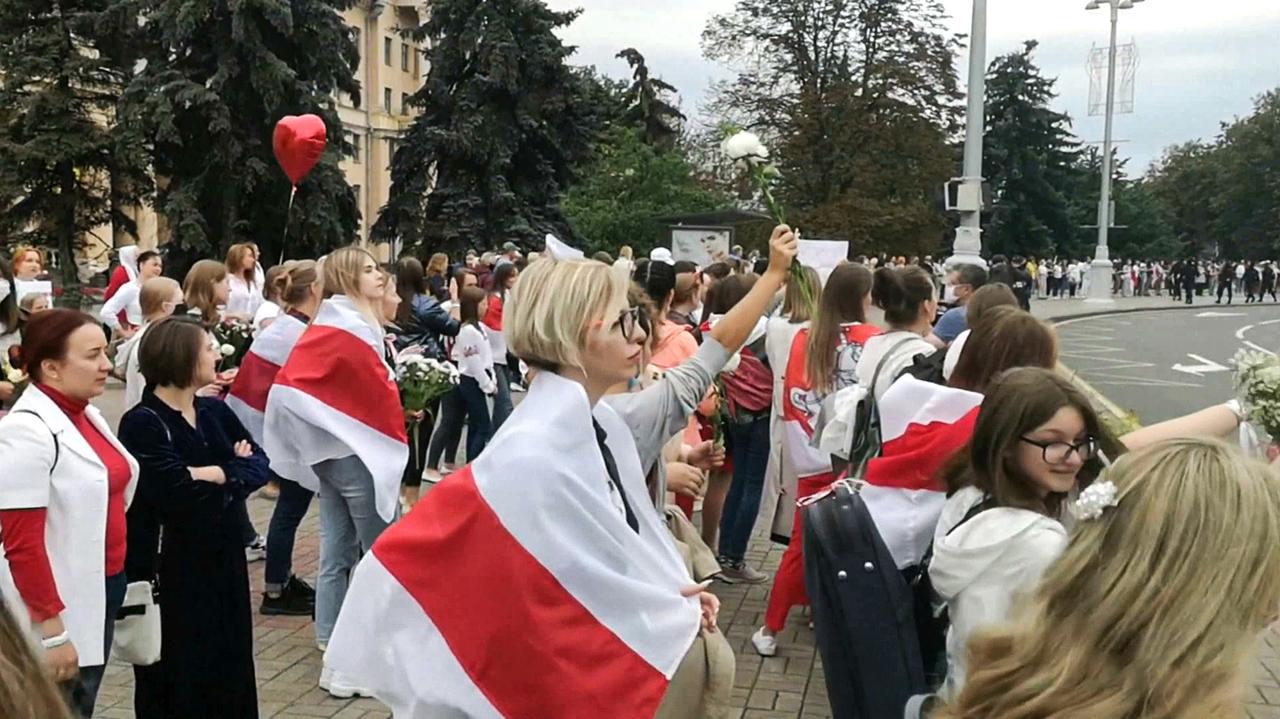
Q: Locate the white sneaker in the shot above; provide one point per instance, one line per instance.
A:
(257, 551)
(766, 645)
(338, 686)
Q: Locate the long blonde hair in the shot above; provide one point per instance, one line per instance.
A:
(1154, 608)
(341, 271)
(26, 691)
(198, 288)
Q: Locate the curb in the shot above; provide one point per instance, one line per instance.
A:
(1058, 319)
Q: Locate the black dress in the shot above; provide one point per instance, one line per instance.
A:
(206, 665)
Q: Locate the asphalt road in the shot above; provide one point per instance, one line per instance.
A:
(1165, 364)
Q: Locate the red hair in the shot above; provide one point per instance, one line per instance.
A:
(45, 337)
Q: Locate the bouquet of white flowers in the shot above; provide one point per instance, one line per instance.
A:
(1257, 384)
(233, 337)
(422, 380)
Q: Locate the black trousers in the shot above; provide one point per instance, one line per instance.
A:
(1224, 288)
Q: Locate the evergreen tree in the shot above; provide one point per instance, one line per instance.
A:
(503, 129)
(648, 103)
(62, 160)
(219, 75)
(1030, 157)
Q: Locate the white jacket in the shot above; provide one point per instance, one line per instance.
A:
(74, 489)
(983, 567)
(903, 344)
(126, 299)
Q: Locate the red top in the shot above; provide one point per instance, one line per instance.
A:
(493, 317)
(119, 278)
(23, 529)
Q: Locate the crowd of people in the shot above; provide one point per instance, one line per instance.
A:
(563, 564)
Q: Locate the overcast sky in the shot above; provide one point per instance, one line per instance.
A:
(1202, 62)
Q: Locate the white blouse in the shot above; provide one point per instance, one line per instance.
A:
(245, 297)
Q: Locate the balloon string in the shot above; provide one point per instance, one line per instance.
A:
(287, 214)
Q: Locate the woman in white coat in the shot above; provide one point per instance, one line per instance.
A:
(64, 487)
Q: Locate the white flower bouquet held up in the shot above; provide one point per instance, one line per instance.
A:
(422, 380)
(1257, 385)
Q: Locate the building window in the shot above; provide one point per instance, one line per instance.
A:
(386, 51)
(386, 99)
(392, 145)
(404, 103)
(356, 140)
(404, 56)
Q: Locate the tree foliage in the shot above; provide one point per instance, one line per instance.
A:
(858, 100)
(218, 77)
(66, 167)
(1030, 159)
(649, 103)
(503, 130)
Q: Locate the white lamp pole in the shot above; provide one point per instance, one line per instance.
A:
(968, 244)
(1101, 270)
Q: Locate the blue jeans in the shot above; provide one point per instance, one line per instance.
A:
(291, 507)
(349, 525)
(478, 426)
(449, 432)
(82, 692)
(749, 444)
(502, 405)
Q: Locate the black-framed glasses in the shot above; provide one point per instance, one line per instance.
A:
(628, 320)
(1060, 452)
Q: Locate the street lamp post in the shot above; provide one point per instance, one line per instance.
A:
(1100, 271)
(968, 243)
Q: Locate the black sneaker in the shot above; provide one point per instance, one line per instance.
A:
(290, 603)
(299, 586)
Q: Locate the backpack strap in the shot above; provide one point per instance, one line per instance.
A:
(57, 446)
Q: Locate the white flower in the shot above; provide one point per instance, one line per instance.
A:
(1097, 497)
(228, 350)
(745, 146)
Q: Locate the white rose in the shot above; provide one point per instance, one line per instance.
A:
(228, 350)
(745, 146)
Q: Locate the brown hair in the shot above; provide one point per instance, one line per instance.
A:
(438, 266)
(293, 285)
(154, 293)
(1017, 402)
(729, 292)
(843, 300)
(985, 298)
(170, 351)
(235, 256)
(1006, 338)
(270, 291)
(469, 299)
(26, 692)
(794, 306)
(198, 288)
(900, 292)
(45, 338)
(410, 282)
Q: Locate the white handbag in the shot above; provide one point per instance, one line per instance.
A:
(137, 632)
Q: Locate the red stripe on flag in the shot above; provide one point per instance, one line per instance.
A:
(529, 646)
(914, 460)
(342, 371)
(254, 380)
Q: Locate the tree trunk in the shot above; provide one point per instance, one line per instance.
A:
(65, 229)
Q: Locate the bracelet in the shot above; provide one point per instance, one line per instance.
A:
(56, 641)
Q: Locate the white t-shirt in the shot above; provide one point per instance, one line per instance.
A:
(245, 297)
(268, 310)
(903, 344)
(472, 354)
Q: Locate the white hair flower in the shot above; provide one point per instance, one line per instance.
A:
(1095, 498)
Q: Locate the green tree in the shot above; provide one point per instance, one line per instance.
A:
(649, 103)
(630, 183)
(219, 75)
(62, 159)
(1246, 204)
(858, 99)
(1030, 158)
(504, 128)
(1182, 181)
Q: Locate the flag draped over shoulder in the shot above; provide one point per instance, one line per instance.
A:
(335, 397)
(258, 370)
(922, 426)
(516, 588)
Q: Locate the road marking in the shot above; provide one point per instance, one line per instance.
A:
(1240, 333)
(1222, 314)
(1259, 348)
(1206, 366)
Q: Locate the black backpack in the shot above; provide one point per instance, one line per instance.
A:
(926, 368)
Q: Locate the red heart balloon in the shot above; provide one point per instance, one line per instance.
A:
(299, 141)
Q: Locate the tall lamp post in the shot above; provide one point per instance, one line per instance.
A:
(968, 245)
(1100, 272)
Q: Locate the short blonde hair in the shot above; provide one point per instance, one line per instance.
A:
(550, 309)
(155, 292)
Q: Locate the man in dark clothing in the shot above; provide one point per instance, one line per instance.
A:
(1019, 280)
(1187, 278)
(1226, 276)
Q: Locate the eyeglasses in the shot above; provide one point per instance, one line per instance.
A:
(628, 319)
(1060, 452)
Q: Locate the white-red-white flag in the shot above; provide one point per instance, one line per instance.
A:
(516, 588)
(248, 394)
(335, 397)
(922, 426)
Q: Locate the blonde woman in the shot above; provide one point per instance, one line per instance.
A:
(245, 291)
(159, 298)
(1121, 626)
(582, 591)
(334, 423)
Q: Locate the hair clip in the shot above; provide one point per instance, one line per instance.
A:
(1095, 498)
